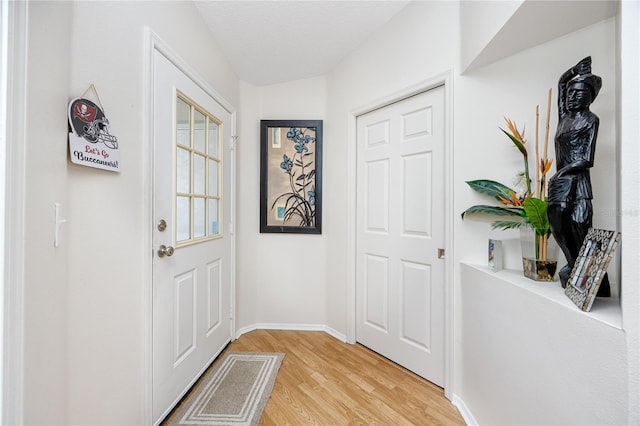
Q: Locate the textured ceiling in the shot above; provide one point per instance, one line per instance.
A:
(270, 42)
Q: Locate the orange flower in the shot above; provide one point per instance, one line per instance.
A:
(505, 200)
(545, 165)
(514, 200)
(514, 130)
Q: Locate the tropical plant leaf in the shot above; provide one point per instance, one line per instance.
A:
(494, 210)
(491, 188)
(536, 211)
(508, 224)
(516, 142)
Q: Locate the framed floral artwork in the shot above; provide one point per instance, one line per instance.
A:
(291, 176)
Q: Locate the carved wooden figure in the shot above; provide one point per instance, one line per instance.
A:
(570, 210)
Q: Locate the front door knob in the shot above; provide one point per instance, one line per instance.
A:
(165, 251)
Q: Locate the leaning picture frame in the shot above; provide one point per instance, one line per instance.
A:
(590, 266)
(291, 176)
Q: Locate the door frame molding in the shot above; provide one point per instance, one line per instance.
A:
(153, 43)
(446, 80)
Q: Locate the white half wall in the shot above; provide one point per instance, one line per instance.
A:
(529, 360)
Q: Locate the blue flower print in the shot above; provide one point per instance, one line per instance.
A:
(294, 134)
(286, 164)
(312, 197)
(300, 146)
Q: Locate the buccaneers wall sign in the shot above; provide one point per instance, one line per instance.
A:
(90, 142)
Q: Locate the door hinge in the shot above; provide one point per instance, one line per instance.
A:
(440, 253)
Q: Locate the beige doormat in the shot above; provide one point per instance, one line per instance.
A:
(235, 392)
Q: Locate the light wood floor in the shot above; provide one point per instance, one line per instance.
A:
(323, 381)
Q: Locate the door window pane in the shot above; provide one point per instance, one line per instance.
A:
(213, 139)
(183, 218)
(213, 217)
(198, 131)
(183, 171)
(213, 177)
(199, 174)
(199, 224)
(183, 122)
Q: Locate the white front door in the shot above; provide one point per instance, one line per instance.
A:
(400, 227)
(191, 243)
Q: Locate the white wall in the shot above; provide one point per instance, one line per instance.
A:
(86, 327)
(281, 277)
(629, 214)
(46, 268)
(480, 21)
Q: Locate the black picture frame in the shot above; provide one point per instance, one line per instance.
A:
(291, 176)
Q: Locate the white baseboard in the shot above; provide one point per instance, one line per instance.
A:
(336, 334)
(297, 327)
(464, 411)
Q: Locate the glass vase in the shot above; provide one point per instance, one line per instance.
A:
(539, 255)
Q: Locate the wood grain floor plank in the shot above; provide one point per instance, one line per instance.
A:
(323, 381)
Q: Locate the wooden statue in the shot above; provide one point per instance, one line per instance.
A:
(570, 211)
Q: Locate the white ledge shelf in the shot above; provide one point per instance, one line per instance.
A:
(605, 309)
